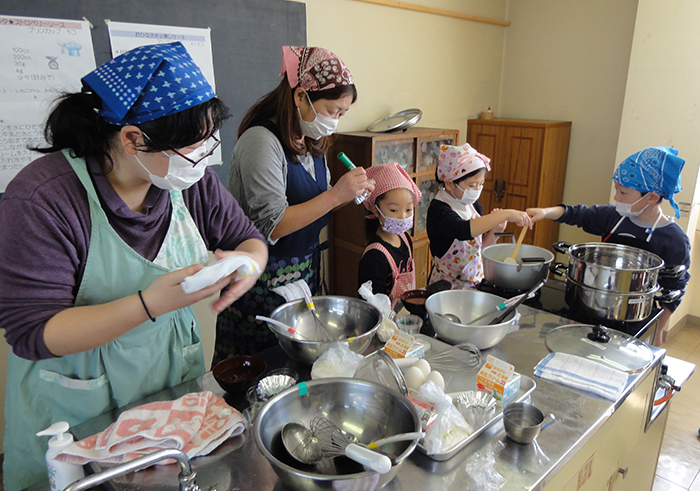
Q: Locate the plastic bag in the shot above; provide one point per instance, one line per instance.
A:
(480, 467)
(338, 361)
(449, 428)
(292, 291)
(383, 303)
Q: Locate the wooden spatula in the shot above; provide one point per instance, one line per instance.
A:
(511, 259)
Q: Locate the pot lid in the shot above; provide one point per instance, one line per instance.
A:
(612, 348)
(399, 121)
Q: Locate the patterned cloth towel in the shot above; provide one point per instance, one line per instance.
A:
(583, 374)
(196, 423)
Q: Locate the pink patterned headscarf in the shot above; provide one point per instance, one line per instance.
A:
(314, 68)
(455, 162)
(386, 178)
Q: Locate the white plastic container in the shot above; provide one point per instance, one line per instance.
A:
(61, 474)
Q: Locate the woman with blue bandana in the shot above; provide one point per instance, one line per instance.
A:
(636, 219)
(97, 237)
(280, 177)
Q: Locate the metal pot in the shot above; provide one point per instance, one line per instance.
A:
(533, 266)
(611, 267)
(612, 305)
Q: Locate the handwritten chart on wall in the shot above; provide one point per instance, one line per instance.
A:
(39, 58)
(246, 37)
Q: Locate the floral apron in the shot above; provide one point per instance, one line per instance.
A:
(403, 280)
(462, 264)
(75, 388)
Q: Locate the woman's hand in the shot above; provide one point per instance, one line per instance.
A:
(165, 293)
(351, 185)
(240, 286)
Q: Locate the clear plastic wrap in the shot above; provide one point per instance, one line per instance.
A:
(481, 468)
(338, 361)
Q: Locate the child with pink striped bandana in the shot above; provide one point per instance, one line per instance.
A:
(388, 259)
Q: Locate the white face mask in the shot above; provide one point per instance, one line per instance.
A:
(469, 196)
(625, 209)
(181, 173)
(321, 125)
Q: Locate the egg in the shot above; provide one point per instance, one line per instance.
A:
(414, 377)
(436, 378)
(423, 365)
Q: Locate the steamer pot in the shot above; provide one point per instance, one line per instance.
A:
(533, 266)
(611, 267)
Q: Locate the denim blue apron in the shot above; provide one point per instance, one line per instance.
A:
(149, 358)
(293, 257)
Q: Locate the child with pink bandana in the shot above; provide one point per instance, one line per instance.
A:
(388, 259)
(456, 228)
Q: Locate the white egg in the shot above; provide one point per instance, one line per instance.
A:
(423, 365)
(414, 377)
(437, 379)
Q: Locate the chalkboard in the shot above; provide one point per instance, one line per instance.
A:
(247, 38)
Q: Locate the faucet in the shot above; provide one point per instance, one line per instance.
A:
(186, 476)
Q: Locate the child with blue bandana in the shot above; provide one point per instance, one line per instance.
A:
(636, 219)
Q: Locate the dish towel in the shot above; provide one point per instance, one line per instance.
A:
(208, 275)
(196, 423)
(583, 374)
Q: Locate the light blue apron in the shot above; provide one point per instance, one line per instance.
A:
(149, 358)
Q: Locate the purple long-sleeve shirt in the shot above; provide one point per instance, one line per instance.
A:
(45, 236)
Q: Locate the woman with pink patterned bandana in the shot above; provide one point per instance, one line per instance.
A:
(280, 178)
(456, 228)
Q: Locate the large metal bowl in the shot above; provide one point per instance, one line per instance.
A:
(366, 410)
(467, 305)
(352, 318)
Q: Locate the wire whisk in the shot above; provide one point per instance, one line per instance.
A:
(326, 441)
(321, 331)
(462, 355)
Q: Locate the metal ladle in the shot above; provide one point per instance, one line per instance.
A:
(303, 445)
(450, 317)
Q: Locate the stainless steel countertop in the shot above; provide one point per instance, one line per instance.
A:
(238, 465)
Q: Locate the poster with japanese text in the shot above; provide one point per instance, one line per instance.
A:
(39, 59)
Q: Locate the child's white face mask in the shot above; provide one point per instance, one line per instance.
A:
(625, 209)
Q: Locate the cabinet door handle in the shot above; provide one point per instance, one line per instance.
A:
(623, 471)
(499, 193)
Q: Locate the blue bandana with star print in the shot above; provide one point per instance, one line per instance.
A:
(147, 83)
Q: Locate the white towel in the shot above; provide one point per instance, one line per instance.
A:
(243, 265)
(583, 374)
(196, 423)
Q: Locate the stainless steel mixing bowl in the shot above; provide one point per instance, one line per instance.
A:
(352, 318)
(467, 305)
(364, 409)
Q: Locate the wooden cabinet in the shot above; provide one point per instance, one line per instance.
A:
(416, 150)
(528, 167)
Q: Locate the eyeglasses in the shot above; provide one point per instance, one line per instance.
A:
(200, 153)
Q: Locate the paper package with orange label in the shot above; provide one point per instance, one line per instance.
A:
(499, 379)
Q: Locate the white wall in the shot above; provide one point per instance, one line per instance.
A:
(568, 60)
(662, 103)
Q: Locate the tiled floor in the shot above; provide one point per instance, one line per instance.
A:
(679, 462)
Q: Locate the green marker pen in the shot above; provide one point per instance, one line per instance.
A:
(348, 163)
